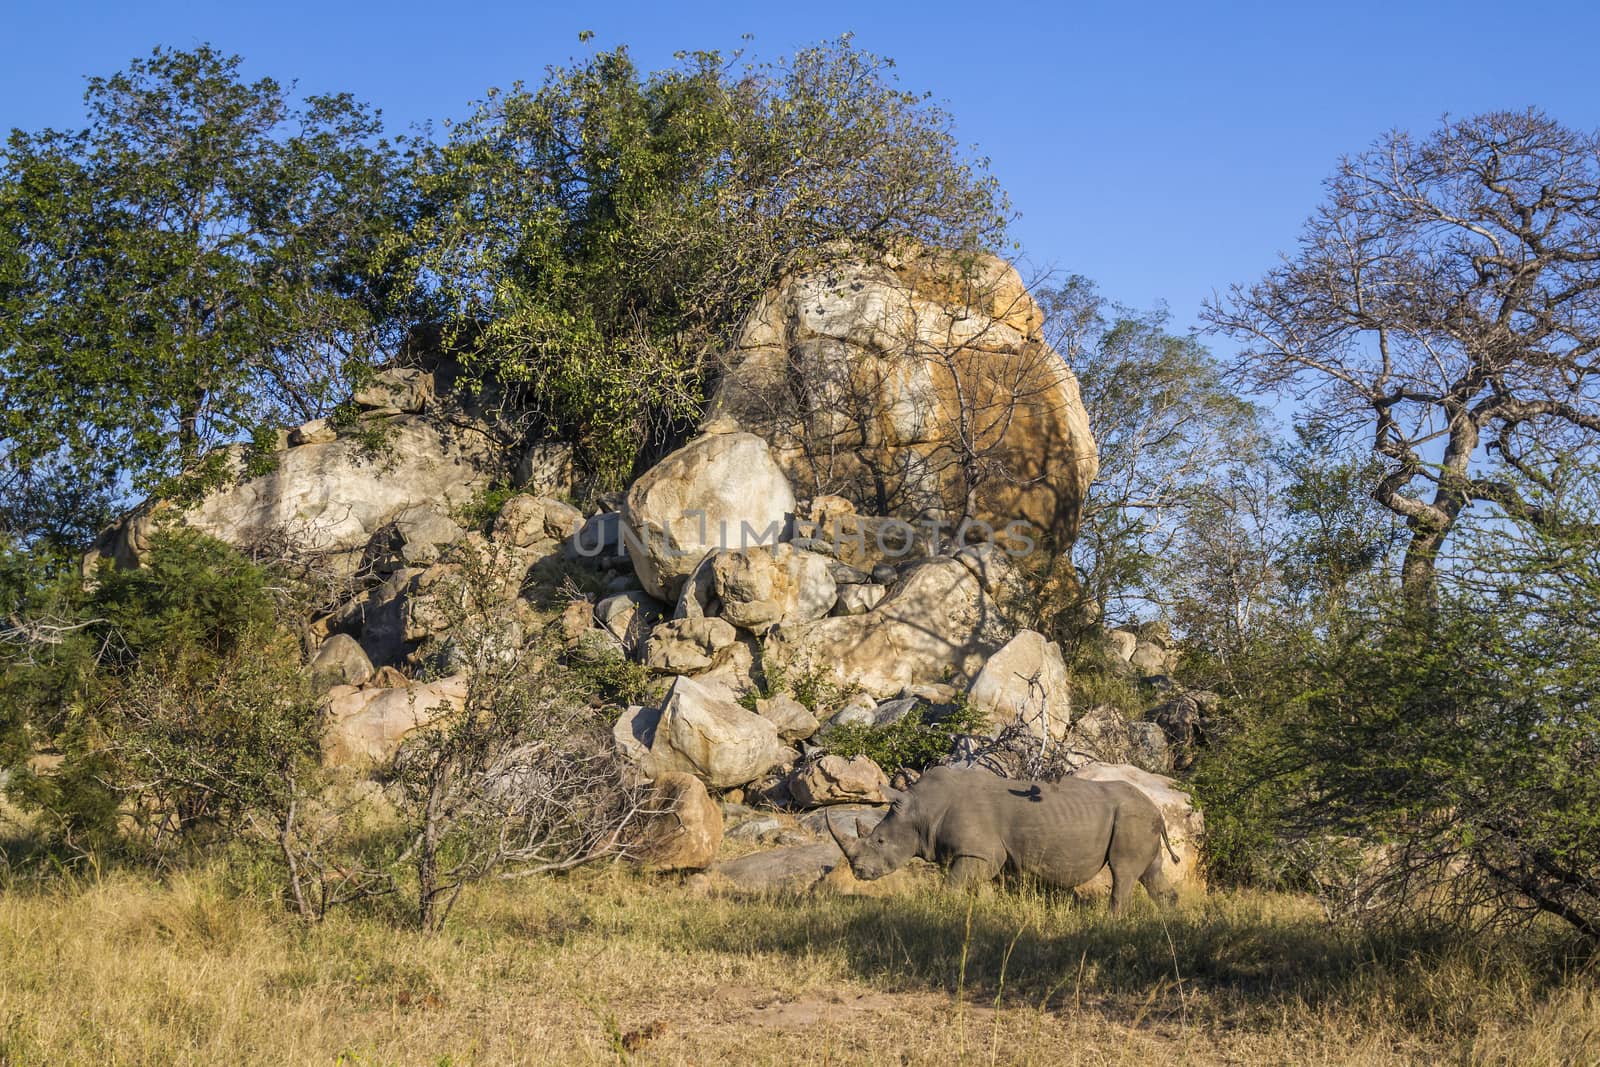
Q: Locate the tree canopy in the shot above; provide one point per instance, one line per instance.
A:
(593, 242)
(194, 267)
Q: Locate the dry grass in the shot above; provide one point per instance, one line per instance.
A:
(612, 966)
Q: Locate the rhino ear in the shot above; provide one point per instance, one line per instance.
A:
(898, 798)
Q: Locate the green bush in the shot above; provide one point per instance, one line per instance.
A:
(174, 700)
(913, 742)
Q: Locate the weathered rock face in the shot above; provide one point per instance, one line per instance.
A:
(1026, 681)
(940, 621)
(364, 727)
(1185, 823)
(720, 491)
(684, 829)
(329, 498)
(760, 588)
(836, 780)
(863, 377)
(702, 734)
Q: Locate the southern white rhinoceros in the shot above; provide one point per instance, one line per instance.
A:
(976, 824)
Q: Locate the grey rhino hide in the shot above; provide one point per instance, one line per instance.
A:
(976, 825)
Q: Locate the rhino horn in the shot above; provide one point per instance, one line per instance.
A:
(862, 829)
(846, 847)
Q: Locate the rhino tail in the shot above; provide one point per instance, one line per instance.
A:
(1165, 840)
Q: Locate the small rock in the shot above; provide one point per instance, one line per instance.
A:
(315, 432)
(340, 661)
(759, 828)
(792, 718)
(629, 616)
(858, 599)
(576, 619)
(836, 780)
(388, 678)
(687, 645)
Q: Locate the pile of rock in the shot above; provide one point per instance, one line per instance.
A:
(719, 575)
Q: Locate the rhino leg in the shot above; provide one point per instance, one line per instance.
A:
(1155, 883)
(1122, 881)
(970, 872)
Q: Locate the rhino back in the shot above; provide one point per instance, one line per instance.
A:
(1058, 832)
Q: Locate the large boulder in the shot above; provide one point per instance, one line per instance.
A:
(684, 827)
(683, 646)
(329, 497)
(340, 661)
(720, 491)
(879, 380)
(700, 733)
(364, 727)
(1026, 681)
(1185, 822)
(940, 621)
(760, 588)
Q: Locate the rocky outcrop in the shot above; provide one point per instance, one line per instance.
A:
(720, 491)
(1026, 682)
(328, 498)
(882, 381)
(941, 620)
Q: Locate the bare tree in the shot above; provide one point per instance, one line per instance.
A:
(1444, 302)
(522, 779)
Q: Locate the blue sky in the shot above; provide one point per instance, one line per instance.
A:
(1163, 149)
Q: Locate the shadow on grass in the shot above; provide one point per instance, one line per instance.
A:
(1247, 950)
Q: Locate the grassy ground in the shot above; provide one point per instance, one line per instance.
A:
(614, 967)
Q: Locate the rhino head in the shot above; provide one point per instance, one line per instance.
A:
(884, 848)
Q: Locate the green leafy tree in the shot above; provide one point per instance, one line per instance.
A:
(1446, 761)
(193, 267)
(593, 243)
(170, 692)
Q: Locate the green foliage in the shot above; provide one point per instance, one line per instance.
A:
(1456, 747)
(197, 263)
(913, 742)
(593, 243)
(613, 678)
(480, 511)
(170, 695)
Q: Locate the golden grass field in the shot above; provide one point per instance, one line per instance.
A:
(616, 967)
